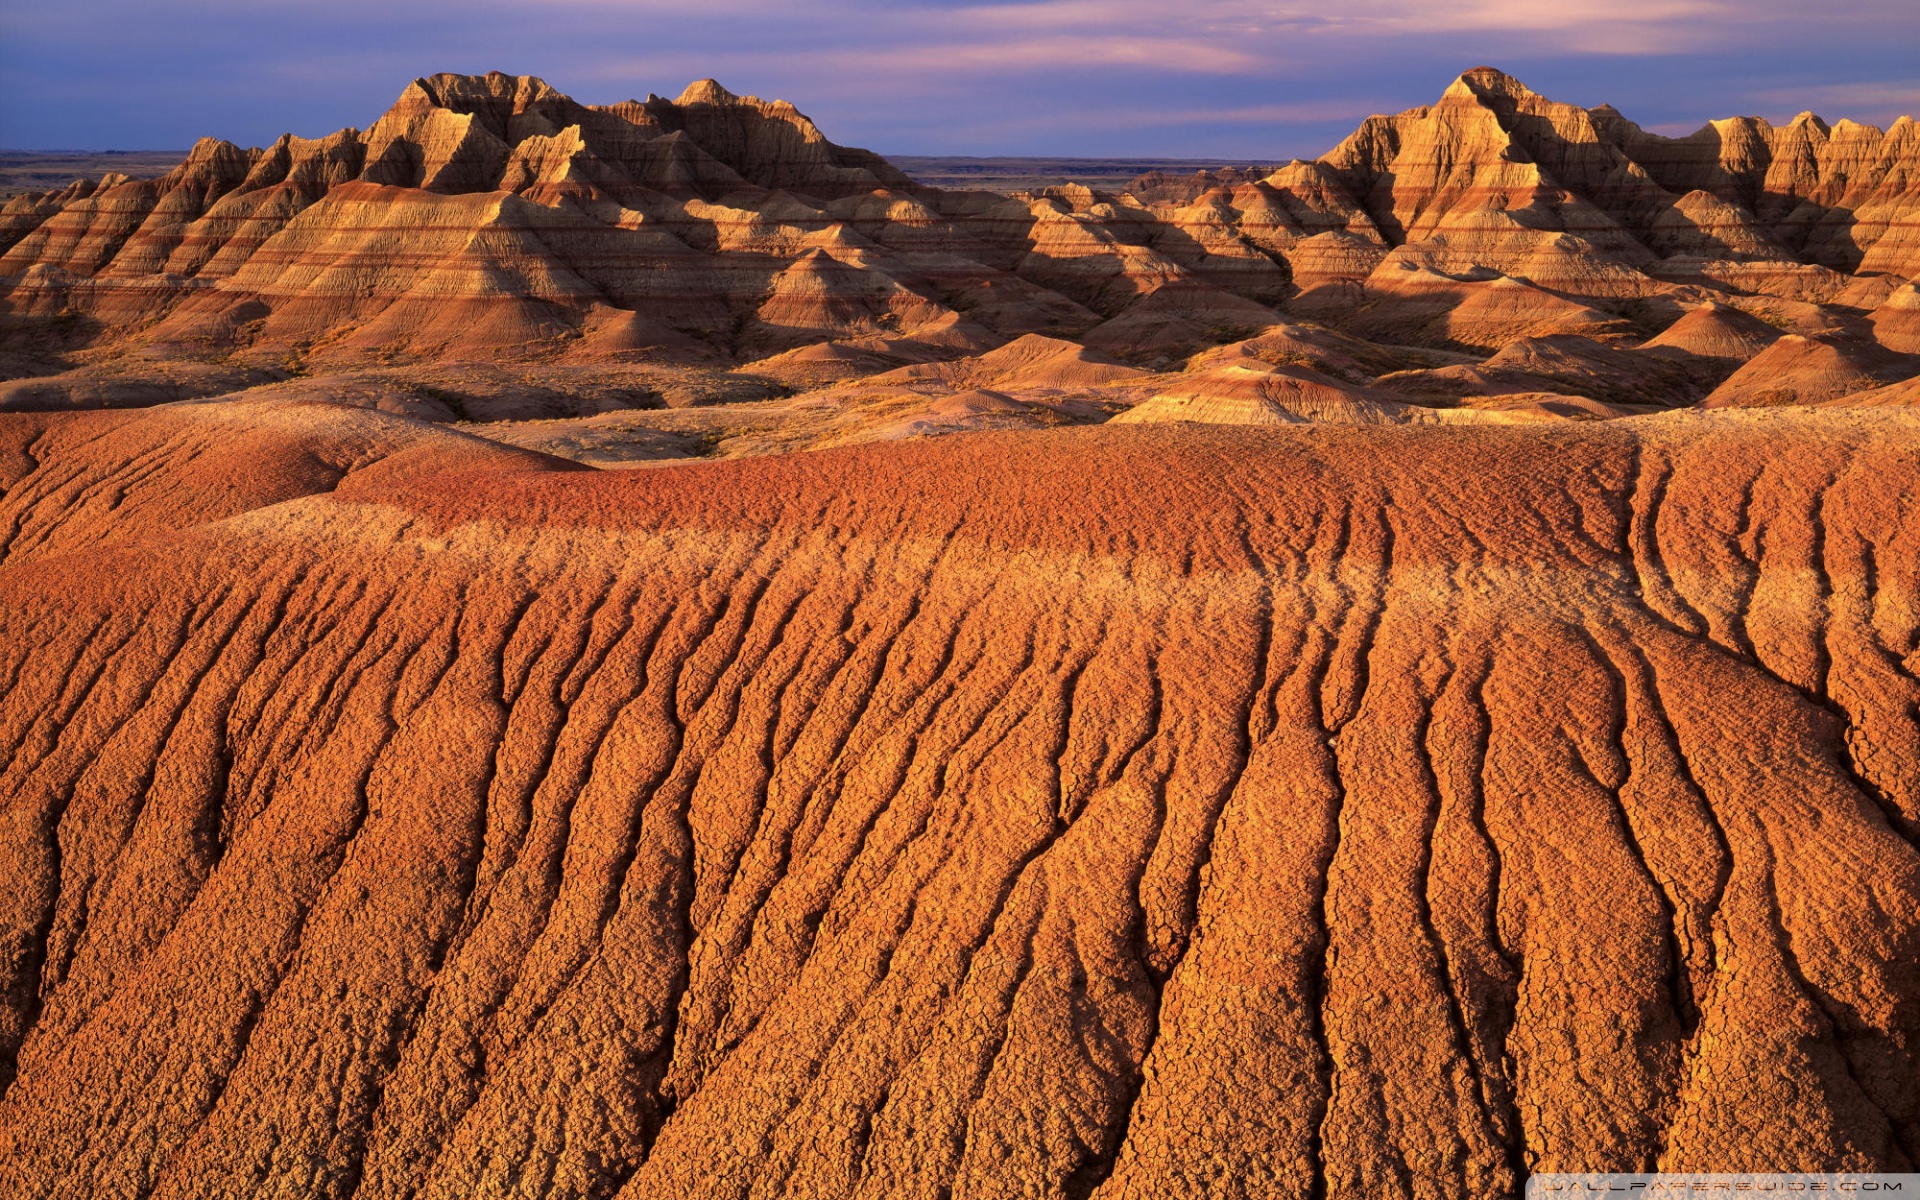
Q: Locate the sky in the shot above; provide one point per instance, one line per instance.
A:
(1261, 80)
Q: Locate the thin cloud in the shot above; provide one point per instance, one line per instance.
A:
(1087, 117)
(1874, 102)
(1051, 54)
(1262, 78)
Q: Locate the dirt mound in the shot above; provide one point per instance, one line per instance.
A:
(1256, 393)
(1421, 306)
(1797, 370)
(1177, 319)
(73, 482)
(1032, 361)
(1549, 406)
(961, 412)
(1571, 366)
(1160, 187)
(1715, 331)
(1896, 324)
(1901, 394)
(1324, 350)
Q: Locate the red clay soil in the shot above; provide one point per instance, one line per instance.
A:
(1129, 812)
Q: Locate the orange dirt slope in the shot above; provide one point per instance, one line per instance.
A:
(1135, 811)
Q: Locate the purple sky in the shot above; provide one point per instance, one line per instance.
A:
(1236, 79)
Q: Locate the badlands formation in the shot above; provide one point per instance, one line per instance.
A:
(1410, 678)
(711, 277)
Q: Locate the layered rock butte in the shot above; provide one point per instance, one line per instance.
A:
(1390, 755)
(715, 249)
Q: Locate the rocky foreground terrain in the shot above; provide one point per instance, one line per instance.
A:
(1411, 677)
(1139, 811)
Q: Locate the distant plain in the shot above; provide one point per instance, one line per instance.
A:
(44, 170)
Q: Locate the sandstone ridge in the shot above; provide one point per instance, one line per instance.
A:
(491, 250)
(492, 215)
(1494, 170)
